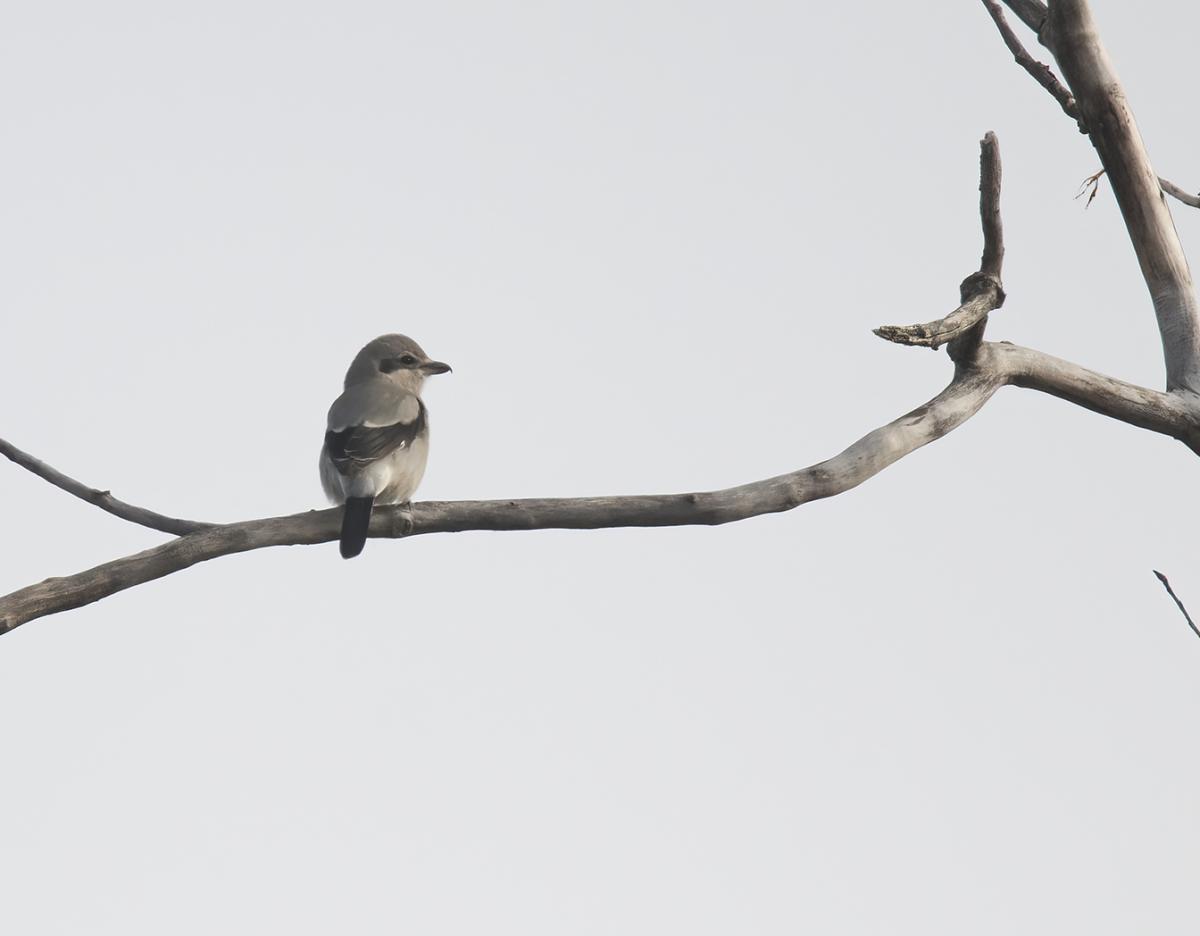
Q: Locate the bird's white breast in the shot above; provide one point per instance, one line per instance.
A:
(400, 473)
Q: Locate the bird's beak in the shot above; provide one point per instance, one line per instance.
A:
(435, 367)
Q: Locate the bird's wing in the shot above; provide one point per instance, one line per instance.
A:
(370, 421)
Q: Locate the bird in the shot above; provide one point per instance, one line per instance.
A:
(377, 434)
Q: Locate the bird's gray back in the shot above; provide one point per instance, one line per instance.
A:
(373, 402)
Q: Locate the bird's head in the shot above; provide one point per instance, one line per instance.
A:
(397, 358)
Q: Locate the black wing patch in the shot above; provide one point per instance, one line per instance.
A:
(355, 447)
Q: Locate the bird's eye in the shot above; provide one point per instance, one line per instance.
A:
(408, 360)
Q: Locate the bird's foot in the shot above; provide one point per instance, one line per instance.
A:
(402, 524)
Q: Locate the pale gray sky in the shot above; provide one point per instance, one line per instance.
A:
(652, 238)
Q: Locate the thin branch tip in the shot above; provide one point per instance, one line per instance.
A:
(1039, 71)
(1179, 604)
(98, 498)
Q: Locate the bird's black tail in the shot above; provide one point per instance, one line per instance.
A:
(355, 520)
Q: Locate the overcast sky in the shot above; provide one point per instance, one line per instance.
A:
(652, 238)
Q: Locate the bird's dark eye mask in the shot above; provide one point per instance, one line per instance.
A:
(388, 365)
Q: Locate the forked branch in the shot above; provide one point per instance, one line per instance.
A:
(1033, 13)
(981, 292)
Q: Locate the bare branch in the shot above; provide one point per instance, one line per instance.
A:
(1040, 72)
(980, 292)
(102, 499)
(1179, 604)
(981, 295)
(1070, 33)
(967, 392)
(1175, 191)
(990, 176)
(1170, 414)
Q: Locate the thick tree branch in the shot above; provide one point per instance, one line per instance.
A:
(1170, 414)
(102, 499)
(968, 391)
(1070, 33)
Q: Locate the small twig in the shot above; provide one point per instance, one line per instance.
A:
(102, 499)
(1170, 591)
(1170, 188)
(1091, 185)
(1040, 72)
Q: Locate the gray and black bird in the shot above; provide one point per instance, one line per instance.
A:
(377, 433)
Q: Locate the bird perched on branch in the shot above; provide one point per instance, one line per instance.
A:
(377, 433)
